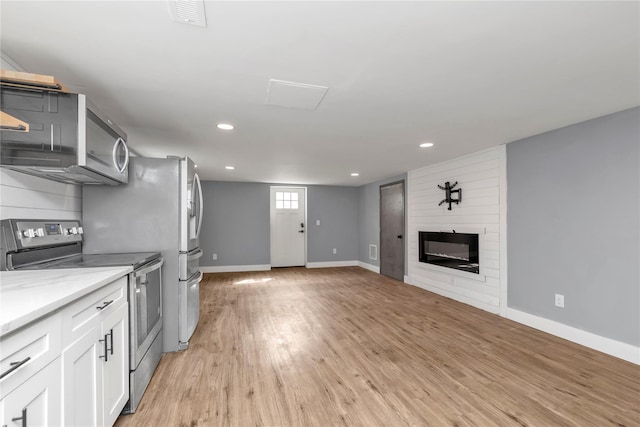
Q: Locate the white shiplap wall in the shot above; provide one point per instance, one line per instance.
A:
(482, 177)
(30, 197)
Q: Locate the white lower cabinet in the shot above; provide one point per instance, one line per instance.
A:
(115, 385)
(70, 368)
(95, 367)
(82, 380)
(36, 402)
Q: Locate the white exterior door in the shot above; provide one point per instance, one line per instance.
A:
(288, 226)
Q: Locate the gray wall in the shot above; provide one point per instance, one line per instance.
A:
(337, 210)
(369, 218)
(574, 225)
(236, 223)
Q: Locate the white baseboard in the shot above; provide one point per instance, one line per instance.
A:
(234, 268)
(611, 347)
(332, 264)
(370, 267)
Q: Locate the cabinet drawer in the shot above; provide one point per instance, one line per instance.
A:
(40, 342)
(79, 317)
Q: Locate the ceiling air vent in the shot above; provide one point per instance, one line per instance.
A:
(294, 95)
(188, 12)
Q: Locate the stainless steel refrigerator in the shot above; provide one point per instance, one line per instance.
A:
(159, 209)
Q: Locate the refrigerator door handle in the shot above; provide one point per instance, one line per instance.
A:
(196, 278)
(195, 254)
(196, 179)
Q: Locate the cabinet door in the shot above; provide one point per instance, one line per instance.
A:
(37, 399)
(82, 380)
(52, 118)
(115, 373)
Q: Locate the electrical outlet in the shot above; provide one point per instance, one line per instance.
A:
(317, 222)
(335, 251)
(559, 300)
(215, 257)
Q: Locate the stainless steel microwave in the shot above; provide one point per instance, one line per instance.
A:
(68, 138)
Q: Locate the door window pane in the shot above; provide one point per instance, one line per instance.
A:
(286, 200)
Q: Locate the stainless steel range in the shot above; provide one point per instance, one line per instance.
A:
(50, 244)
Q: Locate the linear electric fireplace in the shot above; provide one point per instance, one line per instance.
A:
(452, 250)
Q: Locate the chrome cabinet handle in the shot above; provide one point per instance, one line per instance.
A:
(104, 305)
(106, 350)
(23, 418)
(14, 366)
(111, 339)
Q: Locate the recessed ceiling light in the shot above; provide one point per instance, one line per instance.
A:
(225, 126)
(230, 167)
(355, 174)
(426, 145)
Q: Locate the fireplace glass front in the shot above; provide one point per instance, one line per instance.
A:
(450, 249)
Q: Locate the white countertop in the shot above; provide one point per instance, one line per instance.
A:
(28, 295)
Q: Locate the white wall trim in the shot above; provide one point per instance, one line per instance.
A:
(332, 264)
(369, 267)
(504, 273)
(454, 296)
(609, 346)
(234, 268)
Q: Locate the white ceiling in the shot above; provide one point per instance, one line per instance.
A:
(465, 75)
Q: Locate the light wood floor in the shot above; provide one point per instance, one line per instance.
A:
(344, 346)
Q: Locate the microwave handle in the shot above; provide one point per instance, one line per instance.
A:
(115, 155)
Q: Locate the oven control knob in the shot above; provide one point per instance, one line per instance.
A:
(72, 230)
(80, 230)
(29, 233)
(40, 232)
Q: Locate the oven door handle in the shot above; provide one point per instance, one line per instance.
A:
(150, 268)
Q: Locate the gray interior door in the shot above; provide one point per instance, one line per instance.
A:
(392, 230)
